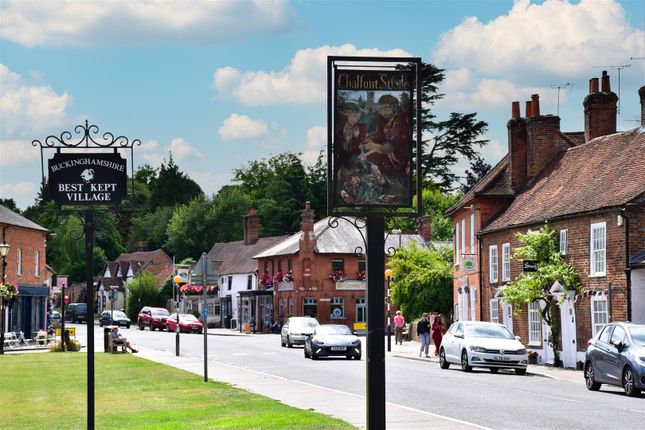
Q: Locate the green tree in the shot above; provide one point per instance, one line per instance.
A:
(542, 247)
(478, 169)
(171, 187)
(143, 290)
(422, 280)
(150, 228)
(10, 204)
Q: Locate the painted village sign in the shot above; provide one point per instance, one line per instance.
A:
(87, 178)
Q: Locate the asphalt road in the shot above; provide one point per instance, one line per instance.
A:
(497, 401)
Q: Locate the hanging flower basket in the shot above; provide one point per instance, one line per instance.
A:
(8, 291)
(337, 275)
(360, 275)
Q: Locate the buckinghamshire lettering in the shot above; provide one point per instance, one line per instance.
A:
(88, 162)
(383, 81)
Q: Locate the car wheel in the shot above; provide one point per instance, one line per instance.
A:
(289, 344)
(590, 380)
(494, 370)
(628, 383)
(100, 323)
(314, 356)
(282, 344)
(520, 372)
(358, 357)
(127, 326)
(443, 363)
(141, 326)
(464, 362)
(306, 353)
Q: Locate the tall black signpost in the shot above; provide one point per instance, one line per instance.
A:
(204, 274)
(373, 172)
(87, 170)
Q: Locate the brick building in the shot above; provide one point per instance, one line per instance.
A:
(318, 272)
(26, 267)
(590, 187)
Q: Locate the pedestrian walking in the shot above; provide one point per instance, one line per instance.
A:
(437, 333)
(399, 324)
(423, 331)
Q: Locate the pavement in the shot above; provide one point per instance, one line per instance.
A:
(346, 406)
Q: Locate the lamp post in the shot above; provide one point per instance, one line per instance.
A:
(178, 281)
(388, 275)
(4, 251)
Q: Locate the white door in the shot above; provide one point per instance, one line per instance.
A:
(463, 309)
(508, 316)
(638, 296)
(568, 324)
(548, 356)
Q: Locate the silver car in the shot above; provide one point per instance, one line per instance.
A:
(482, 344)
(296, 329)
(616, 356)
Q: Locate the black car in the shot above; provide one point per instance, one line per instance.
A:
(114, 318)
(76, 312)
(332, 340)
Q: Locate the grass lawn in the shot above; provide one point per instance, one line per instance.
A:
(49, 391)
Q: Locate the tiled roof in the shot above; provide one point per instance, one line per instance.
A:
(111, 282)
(342, 239)
(606, 172)
(156, 262)
(7, 216)
(236, 257)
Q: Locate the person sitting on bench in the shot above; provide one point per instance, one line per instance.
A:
(117, 340)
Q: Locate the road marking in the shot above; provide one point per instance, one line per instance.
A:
(636, 410)
(547, 396)
(358, 396)
(239, 354)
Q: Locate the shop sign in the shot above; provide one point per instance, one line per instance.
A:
(530, 265)
(87, 179)
(351, 285)
(468, 263)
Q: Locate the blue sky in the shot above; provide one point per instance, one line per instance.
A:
(221, 83)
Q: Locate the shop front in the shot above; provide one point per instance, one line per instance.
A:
(255, 309)
(28, 313)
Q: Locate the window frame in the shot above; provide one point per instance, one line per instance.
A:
(335, 265)
(598, 256)
(463, 236)
(493, 305)
(493, 275)
(535, 336)
(564, 241)
(596, 323)
(229, 281)
(472, 233)
(37, 263)
(457, 253)
(249, 282)
(506, 262)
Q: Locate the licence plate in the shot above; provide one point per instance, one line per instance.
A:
(502, 358)
(338, 348)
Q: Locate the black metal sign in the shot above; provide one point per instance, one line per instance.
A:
(529, 265)
(87, 179)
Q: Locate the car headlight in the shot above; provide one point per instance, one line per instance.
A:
(477, 349)
(641, 359)
(521, 351)
(356, 343)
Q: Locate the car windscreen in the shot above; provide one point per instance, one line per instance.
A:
(303, 323)
(188, 318)
(159, 312)
(492, 331)
(638, 334)
(81, 308)
(333, 330)
(119, 314)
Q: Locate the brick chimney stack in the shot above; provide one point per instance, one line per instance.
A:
(251, 227)
(517, 145)
(641, 93)
(543, 138)
(600, 109)
(141, 245)
(307, 238)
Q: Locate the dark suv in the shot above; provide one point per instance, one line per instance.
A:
(76, 312)
(155, 318)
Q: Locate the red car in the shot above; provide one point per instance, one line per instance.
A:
(155, 318)
(187, 323)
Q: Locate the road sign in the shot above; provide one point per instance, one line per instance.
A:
(71, 330)
(205, 312)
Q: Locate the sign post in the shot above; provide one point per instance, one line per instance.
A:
(97, 177)
(206, 275)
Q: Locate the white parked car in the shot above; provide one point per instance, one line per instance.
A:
(296, 329)
(482, 344)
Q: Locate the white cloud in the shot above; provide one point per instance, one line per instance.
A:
(27, 109)
(124, 22)
(317, 137)
(211, 182)
(240, 127)
(17, 153)
(154, 153)
(22, 193)
(303, 81)
(556, 37)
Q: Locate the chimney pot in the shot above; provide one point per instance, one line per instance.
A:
(529, 110)
(535, 104)
(606, 87)
(593, 85)
(515, 110)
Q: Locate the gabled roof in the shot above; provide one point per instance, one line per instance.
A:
(344, 238)
(236, 257)
(604, 173)
(112, 281)
(156, 262)
(7, 216)
(497, 182)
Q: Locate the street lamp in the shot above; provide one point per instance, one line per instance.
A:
(178, 280)
(4, 251)
(388, 275)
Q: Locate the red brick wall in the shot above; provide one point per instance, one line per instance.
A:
(578, 254)
(28, 241)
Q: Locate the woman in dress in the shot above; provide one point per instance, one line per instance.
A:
(437, 333)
